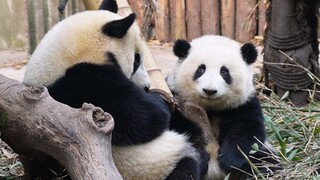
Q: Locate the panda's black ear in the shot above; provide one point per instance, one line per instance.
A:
(119, 28)
(109, 5)
(249, 53)
(181, 48)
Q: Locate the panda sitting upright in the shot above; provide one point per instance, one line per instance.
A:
(214, 72)
(97, 57)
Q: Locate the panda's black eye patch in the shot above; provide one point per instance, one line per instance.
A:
(224, 72)
(137, 61)
(199, 72)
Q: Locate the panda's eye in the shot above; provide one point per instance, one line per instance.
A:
(201, 69)
(137, 61)
(199, 72)
(224, 71)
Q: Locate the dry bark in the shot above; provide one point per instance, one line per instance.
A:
(33, 123)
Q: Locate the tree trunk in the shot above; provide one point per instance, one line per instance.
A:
(80, 139)
(292, 28)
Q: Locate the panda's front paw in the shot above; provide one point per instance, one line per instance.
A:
(232, 161)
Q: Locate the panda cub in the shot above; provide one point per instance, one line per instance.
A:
(97, 57)
(214, 72)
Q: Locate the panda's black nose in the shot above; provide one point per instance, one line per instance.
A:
(209, 91)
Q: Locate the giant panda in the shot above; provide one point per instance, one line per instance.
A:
(214, 72)
(97, 57)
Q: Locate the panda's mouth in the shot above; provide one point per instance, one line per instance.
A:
(212, 97)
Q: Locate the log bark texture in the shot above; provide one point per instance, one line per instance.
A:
(193, 19)
(79, 139)
(262, 6)
(163, 22)
(246, 20)
(228, 18)
(178, 19)
(210, 17)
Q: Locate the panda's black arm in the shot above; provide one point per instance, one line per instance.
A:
(139, 117)
(243, 136)
(241, 128)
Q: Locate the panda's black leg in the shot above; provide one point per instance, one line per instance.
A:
(187, 168)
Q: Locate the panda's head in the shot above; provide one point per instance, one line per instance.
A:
(99, 37)
(213, 71)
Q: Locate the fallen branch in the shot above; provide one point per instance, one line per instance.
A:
(79, 139)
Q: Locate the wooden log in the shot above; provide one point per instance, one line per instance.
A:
(228, 18)
(193, 19)
(178, 19)
(162, 29)
(262, 7)
(210, 16)
(80, 139)
(246, 20)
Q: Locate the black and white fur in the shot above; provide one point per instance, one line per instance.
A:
(97, 57)
(215, 73)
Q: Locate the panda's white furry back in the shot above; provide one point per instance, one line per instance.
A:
(97, 57)
(215, 72)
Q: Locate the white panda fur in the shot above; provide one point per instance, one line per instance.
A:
(228, 101)
(79, 39)
(148, 161)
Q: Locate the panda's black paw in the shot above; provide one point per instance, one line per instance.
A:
(229, 162)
